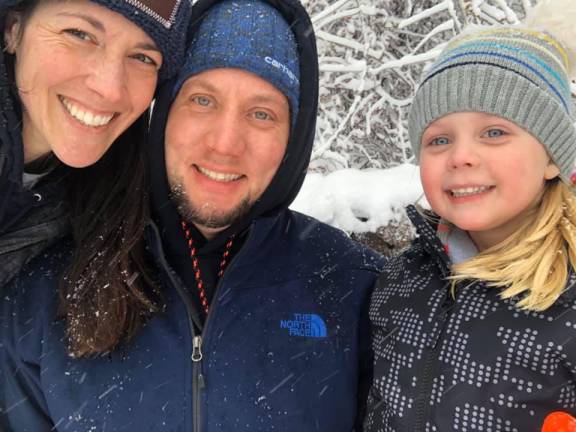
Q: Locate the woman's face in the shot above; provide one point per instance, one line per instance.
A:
(84, 74)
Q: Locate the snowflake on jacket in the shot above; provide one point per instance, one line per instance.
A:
(464, 363)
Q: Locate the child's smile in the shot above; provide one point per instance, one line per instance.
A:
(460, 193)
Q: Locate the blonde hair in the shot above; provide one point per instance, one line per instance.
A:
(532, 265)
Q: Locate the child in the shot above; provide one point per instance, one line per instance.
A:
(475, 324)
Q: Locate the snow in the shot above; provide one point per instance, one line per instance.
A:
(360, 200)
(372, 55)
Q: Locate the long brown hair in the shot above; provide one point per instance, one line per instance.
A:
(107, 293)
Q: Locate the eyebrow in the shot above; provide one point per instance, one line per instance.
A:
(198, 82)
(99, 26)
(265, 97)
(90, 20)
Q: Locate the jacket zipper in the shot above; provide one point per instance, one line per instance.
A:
(430, 366)
(196, 343)
(198, 381)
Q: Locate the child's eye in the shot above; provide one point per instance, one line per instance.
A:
(78, 34)
(439, 141)
(495, 133)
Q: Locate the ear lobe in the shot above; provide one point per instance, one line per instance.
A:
(12, 32)
(551, 171)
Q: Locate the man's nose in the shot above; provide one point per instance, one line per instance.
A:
(229, 134)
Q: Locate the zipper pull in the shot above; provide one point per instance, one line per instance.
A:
(197, 349)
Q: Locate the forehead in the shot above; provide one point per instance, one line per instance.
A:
(468, 117)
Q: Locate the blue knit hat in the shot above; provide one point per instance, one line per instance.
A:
(249, 35)
(165, 21)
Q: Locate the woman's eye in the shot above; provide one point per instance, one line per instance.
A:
(495, 133)
(79, 34)
(145, 59)
(261, 115)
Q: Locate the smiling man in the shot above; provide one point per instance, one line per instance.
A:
(275, 301)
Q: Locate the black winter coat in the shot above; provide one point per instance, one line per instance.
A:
(30, 220)
(470, 363)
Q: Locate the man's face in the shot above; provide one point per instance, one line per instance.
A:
(226, 135)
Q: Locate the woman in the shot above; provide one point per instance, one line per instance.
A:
(76, 78)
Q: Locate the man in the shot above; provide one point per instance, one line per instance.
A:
(265, 324)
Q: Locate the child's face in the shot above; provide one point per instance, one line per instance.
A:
(481, 173)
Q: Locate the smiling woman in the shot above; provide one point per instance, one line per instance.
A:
(76, 80)
(103, 72)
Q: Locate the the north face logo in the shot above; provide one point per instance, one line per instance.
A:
(307, 325)
(163, 11)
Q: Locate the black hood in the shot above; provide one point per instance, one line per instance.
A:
(290, 175)
(13, 198)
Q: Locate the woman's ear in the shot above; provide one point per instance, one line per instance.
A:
(12, 32)
(551, 171)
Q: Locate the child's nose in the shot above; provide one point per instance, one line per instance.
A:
(463, 153)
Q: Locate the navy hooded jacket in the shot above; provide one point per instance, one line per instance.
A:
(285, 346)
(30, 219)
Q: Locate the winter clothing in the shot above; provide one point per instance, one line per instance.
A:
(517, 74)
(284, 347)
(249, 35)
(165, 21)
(473, 362)
(30, 218)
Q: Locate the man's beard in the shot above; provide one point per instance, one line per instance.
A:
(206, 215)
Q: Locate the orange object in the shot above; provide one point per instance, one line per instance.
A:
(559, 421)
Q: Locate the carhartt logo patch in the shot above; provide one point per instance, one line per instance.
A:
(164, 11)
(305, 325)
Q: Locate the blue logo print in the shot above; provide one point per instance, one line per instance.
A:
(306, 325)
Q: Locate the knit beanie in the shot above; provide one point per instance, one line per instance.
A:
(518, 74)
(165, 21)
(249, 35)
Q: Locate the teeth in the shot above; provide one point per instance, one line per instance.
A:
(85, 117)
(218, 176)
(469, 191)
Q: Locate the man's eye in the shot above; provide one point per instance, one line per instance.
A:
(201, 100)
(261, 115)
(78, 34)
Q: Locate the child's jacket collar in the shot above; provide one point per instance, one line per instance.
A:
(427, 227)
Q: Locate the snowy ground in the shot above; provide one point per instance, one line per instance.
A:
(360, 201)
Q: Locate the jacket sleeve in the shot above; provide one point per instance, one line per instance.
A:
(23, 407)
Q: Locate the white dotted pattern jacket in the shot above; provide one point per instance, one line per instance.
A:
(470, 363)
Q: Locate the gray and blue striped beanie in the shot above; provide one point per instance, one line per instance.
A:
(165, 21)
(515, 73)
(249, 35)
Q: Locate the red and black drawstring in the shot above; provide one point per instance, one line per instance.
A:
(196, 265)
